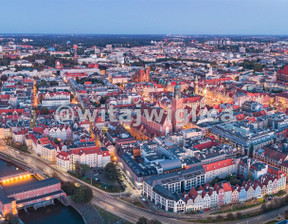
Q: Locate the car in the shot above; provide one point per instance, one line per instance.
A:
(134, 188)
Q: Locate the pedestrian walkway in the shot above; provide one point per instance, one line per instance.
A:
(88, 213)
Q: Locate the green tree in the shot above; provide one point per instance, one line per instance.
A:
(219, 217)
(286, 214)
(258, 68)
(84, 168)
(103, 99)
(142, 220)
(238, 215)
(43, 83)
(57, 141)
(68, 187)
(54, 83)
(4, 78)
(230, 216)
(83, 194)
(264, 207)
(40, 97)
(11, 219)
(111, 172)
(44, 110)
(77, 170)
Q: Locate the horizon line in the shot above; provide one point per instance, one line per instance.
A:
(147, 34)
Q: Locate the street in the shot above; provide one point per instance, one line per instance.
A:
(111, 203)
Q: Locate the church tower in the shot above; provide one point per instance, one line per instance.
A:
(196, 88)
(75, 57)
(177, 103)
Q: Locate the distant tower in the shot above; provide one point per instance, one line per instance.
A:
(177, 91)
(147, 75)
(75, 58)
(58, 65)
(142, 75)
(177, 103)
(210, 73)
(196, 88)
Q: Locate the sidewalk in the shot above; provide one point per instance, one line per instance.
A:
(88, 212)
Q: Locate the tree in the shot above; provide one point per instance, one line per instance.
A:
(56, 141)
(43, 83)
(103, 99)
(219, 217)
(286, 214)
(238, 215)
(258, 68)
(83, 194)
(286, 199)
(4, 78)
(111, 172)
(68, 187)
(44, 110)
(264, 207)
(55, 175)
(54, 83)
(215, 180)
(80, 169)
(71, 97)
(77, 170)
(11, 219)
(142, 220)
(84, 168)
(230, 216)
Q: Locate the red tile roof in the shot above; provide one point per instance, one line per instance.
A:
(283, 71)
(227, 187)
(275, 171)
(218, 165)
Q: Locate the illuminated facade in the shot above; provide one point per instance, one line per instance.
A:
(15, 197)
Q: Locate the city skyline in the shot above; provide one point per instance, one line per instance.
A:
(154, 17)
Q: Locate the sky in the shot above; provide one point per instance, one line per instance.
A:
(247, 17)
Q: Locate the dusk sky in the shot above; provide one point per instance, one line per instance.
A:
(145, 16)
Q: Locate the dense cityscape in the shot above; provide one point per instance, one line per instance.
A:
(143, 128)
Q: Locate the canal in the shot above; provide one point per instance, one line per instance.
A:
(57, 213)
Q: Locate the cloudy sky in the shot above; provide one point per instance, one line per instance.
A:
(144, 16)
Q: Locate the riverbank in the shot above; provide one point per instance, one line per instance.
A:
(87, 211)
(51, 214)
(109, 218)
